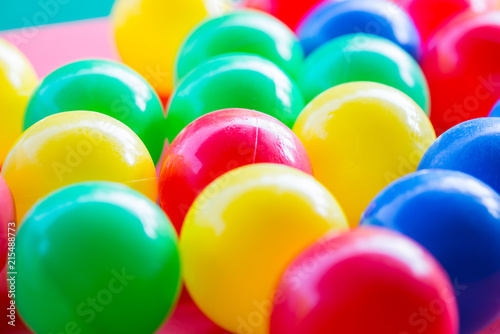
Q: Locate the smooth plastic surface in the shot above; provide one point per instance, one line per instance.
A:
(457, 218)
(73, 147)
(234, 81)
(331, 19)
(217, 143)
(241, 233)
(149, 33)
(462, 68)
(360, 137)
(7, 219)
(386, 279)
(106, 87)
(495, 111)
(429, 15)
(472, 147)
(17, 80)
(241, 32)
(89, 254)
(359, 57)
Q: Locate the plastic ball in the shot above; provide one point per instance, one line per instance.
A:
(462, 68)
(457, 218)
(495, 112)
(106, 87)
(386, 279)
(217, 143)
(360, 137)
(472, 147)
(359, 57)
(149, 33)
(234, 81)
(287, 12)
(7, 220)
(383, 18)
(429, 15)
(73, 147)
(241, 233)
(243, 31)
(96, 257)
(17, 80)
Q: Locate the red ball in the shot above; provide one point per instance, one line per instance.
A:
(430, 14)
(365, 281)
(462, 65)
(289, 12)
(217, 143)
(7, 216)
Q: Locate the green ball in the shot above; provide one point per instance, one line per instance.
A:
(241, 32)
(106, 87)
(96, 257)
(359, 57)
(234, 81)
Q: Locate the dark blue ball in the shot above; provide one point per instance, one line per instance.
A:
(332, 19)
(457, 218)
(472, 147)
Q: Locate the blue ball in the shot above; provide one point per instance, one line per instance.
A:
(384, 18)
(472, 147)
(495, 112)
(457, 218)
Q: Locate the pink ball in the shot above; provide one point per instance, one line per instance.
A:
(217, 143)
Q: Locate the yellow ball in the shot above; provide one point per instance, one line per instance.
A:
(360, 137)
(73, 147)
(149, 33)
(17, 81)
(241, 233)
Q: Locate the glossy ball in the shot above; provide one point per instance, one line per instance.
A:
(217, 143)
(462, 68)
(99, 258)
(241, 32)
(360, 137)
(382, 276)
(457, 218)
(234, 81)
(287, 12)
(149, 33)
(7, 220)
(106, 87)
(429, 15)
(359, 57)
(495, 112)
(383, 18)
(17, 80)
(241, 233)
(472, 147)
(73, 147)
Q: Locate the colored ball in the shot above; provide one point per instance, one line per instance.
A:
(495, 112)
(429, 15)
(383, 278)
(234, 81)
(217, 143)
(286, 11)
(462, 68)
(106, 87)
(7, 220)
(241, 32)
(96, 257)
(17, 80)
(472, 147)
(457, 218)
(241, 233)
(73, 147)
(149, 33)
(360, 137)
(383, 18)
(359, 57)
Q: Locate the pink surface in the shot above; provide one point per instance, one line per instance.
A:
(52, 46)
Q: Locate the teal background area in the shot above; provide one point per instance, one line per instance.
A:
(24, 13)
